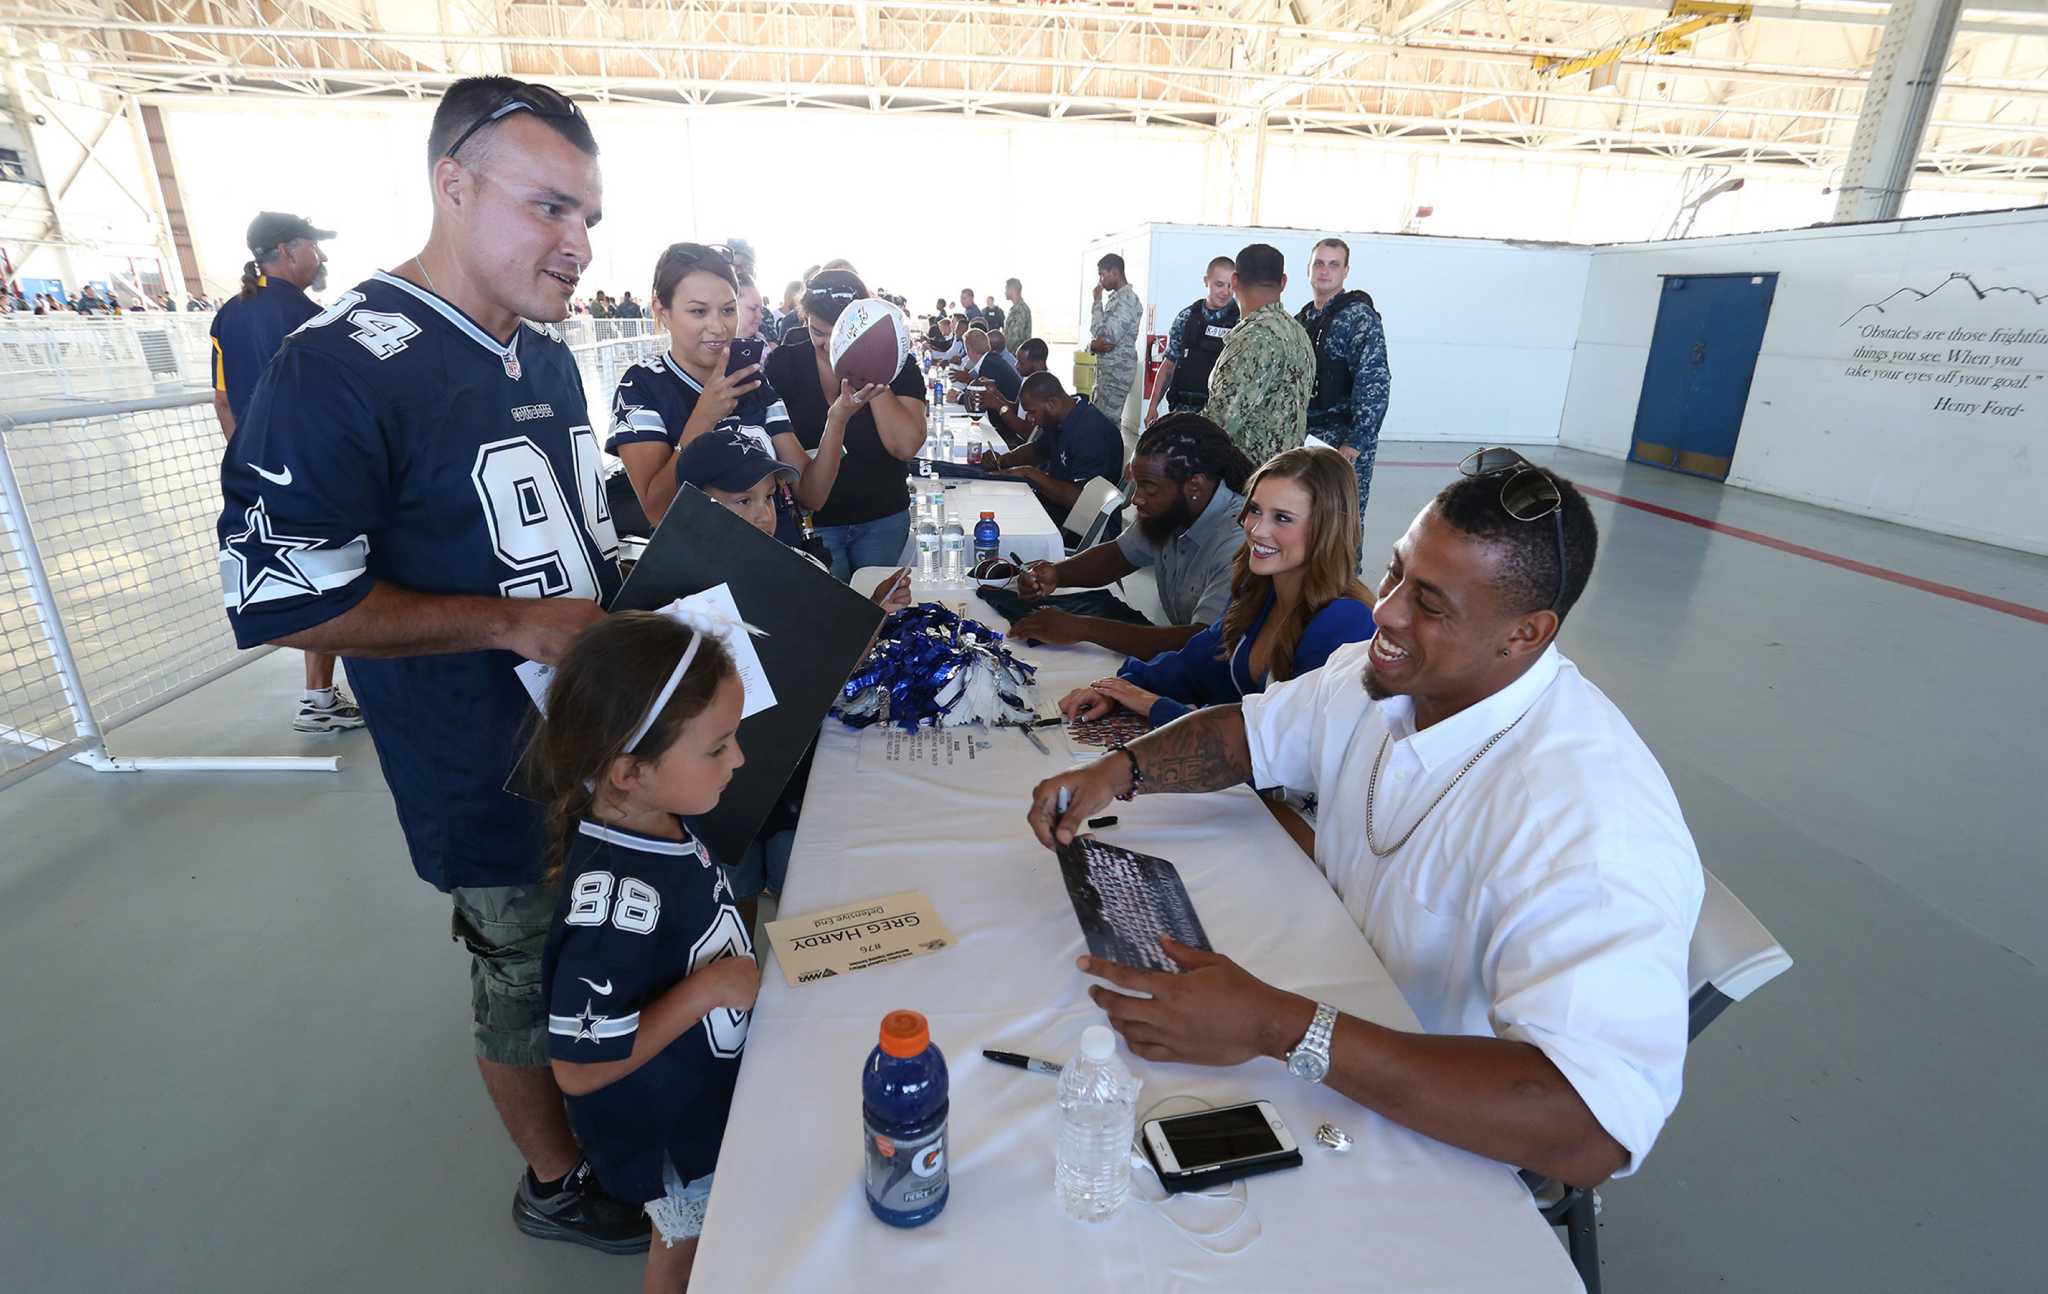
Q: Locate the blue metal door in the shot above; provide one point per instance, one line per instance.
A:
(1702, 357)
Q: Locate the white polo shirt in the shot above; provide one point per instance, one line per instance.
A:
(1549, 899)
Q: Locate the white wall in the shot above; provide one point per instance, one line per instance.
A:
(1479, 333)
(1872, 436)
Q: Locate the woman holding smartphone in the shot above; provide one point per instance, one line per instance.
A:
(704, 383)
(865, 520)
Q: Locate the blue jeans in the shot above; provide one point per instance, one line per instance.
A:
(868, 543)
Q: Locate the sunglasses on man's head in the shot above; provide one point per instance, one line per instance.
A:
(539, 100)
(1527, 493)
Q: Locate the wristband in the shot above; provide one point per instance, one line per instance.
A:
(1137, 777)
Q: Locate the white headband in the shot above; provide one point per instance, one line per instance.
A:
(702, 624)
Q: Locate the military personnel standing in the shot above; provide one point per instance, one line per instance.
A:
(1260, 387)
(1193, 343)
(1114, 324)
(1352, 379)
(1017, 322)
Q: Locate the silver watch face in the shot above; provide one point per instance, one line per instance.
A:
(1304, 1063)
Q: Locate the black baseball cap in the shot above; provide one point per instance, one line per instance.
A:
(271, 230)
(728, 460)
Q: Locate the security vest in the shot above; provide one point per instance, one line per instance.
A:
(1333, 375)
(1200, 343)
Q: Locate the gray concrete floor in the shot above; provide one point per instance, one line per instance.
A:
(237, 1053)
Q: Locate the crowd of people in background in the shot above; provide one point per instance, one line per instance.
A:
(91, 301)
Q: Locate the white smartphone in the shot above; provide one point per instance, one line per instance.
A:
(1231, 1141)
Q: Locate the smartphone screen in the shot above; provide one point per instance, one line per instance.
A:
(1219, 1136)
(741, 353)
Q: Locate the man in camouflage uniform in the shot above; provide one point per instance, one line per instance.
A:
(1016, 323)
(1113, 324)
(1260, 387)
(1352, 380)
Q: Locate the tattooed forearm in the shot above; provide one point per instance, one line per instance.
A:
(1203, 751)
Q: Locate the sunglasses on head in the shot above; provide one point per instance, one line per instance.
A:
(549, 105)
(1527, 493)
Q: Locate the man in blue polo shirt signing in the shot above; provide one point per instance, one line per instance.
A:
(285, 261)
(1074, 444)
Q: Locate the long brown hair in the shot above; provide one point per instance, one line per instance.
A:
(602, 689)
(1331, 571)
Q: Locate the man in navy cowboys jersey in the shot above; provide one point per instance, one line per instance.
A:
(416, 487)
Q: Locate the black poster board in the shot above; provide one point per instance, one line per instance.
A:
(816, 631)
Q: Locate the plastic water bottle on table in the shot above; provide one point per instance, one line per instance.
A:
(1098, 1117)
(953, 543)
(903, 1097)
(927, 547)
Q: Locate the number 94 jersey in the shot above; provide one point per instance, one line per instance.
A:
(393, 439)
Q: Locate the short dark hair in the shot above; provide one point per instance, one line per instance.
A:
(1014, 283)
(1220, 260)
(474, 96)
(1191, 445)
(1337, 243)
(1527, 578)
(1111, 262)
(1261, 266)
(1041, 385)
(684, 259)
(1033, 348)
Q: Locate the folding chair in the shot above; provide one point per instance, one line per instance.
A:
(1732, 956)
(1090, 515)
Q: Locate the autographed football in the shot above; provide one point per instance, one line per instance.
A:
(870, 342)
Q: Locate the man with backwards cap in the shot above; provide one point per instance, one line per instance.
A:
(285, 261)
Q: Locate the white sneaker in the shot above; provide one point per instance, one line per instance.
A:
(336, 715)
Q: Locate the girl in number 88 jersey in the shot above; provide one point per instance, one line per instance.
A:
(649, 971)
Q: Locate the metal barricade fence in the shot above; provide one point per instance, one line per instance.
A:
(110, 593)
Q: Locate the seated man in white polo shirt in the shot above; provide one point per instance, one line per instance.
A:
(1500, 833)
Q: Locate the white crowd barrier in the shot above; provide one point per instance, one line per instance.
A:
(110, 596)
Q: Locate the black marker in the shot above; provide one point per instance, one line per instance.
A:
(1022, 1061)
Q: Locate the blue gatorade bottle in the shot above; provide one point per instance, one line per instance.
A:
(988, 539)
(904, 1107)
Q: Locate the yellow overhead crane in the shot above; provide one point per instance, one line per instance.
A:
(1687, 19)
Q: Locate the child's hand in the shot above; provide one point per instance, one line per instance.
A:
(732, 982)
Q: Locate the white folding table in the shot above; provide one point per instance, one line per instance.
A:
(1397, 1212)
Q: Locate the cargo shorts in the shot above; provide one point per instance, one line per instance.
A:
(505, 928)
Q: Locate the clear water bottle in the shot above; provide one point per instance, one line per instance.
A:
(927, 547)
(904, 1105)
(988, 539)
(945, 444)
(1098, 1118)
(953, 543)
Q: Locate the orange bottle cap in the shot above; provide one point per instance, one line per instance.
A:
(905, 1034)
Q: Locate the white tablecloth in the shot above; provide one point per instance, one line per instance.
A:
(1027, 530)
(1397, 1212)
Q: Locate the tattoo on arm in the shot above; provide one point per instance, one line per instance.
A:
(1202, 751)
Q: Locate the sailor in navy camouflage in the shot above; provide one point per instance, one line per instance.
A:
(1352, 379)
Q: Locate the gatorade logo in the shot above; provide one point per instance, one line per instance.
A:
(931, 1162)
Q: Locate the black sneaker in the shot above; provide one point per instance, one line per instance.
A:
(581, 1213)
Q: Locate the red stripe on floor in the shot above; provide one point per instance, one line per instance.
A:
(1950, 591)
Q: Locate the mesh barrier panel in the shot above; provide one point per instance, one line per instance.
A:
(122, 500)
(44, 361)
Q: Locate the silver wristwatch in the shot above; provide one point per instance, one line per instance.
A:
(1310, 1058)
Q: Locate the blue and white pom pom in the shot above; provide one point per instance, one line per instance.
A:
(932, 667)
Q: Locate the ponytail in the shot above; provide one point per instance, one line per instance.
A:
(252, 279)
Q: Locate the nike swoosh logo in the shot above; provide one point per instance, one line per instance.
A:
(595, 987)
(275, 478)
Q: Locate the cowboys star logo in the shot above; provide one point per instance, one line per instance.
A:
(587, 1023)
(266, 557)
